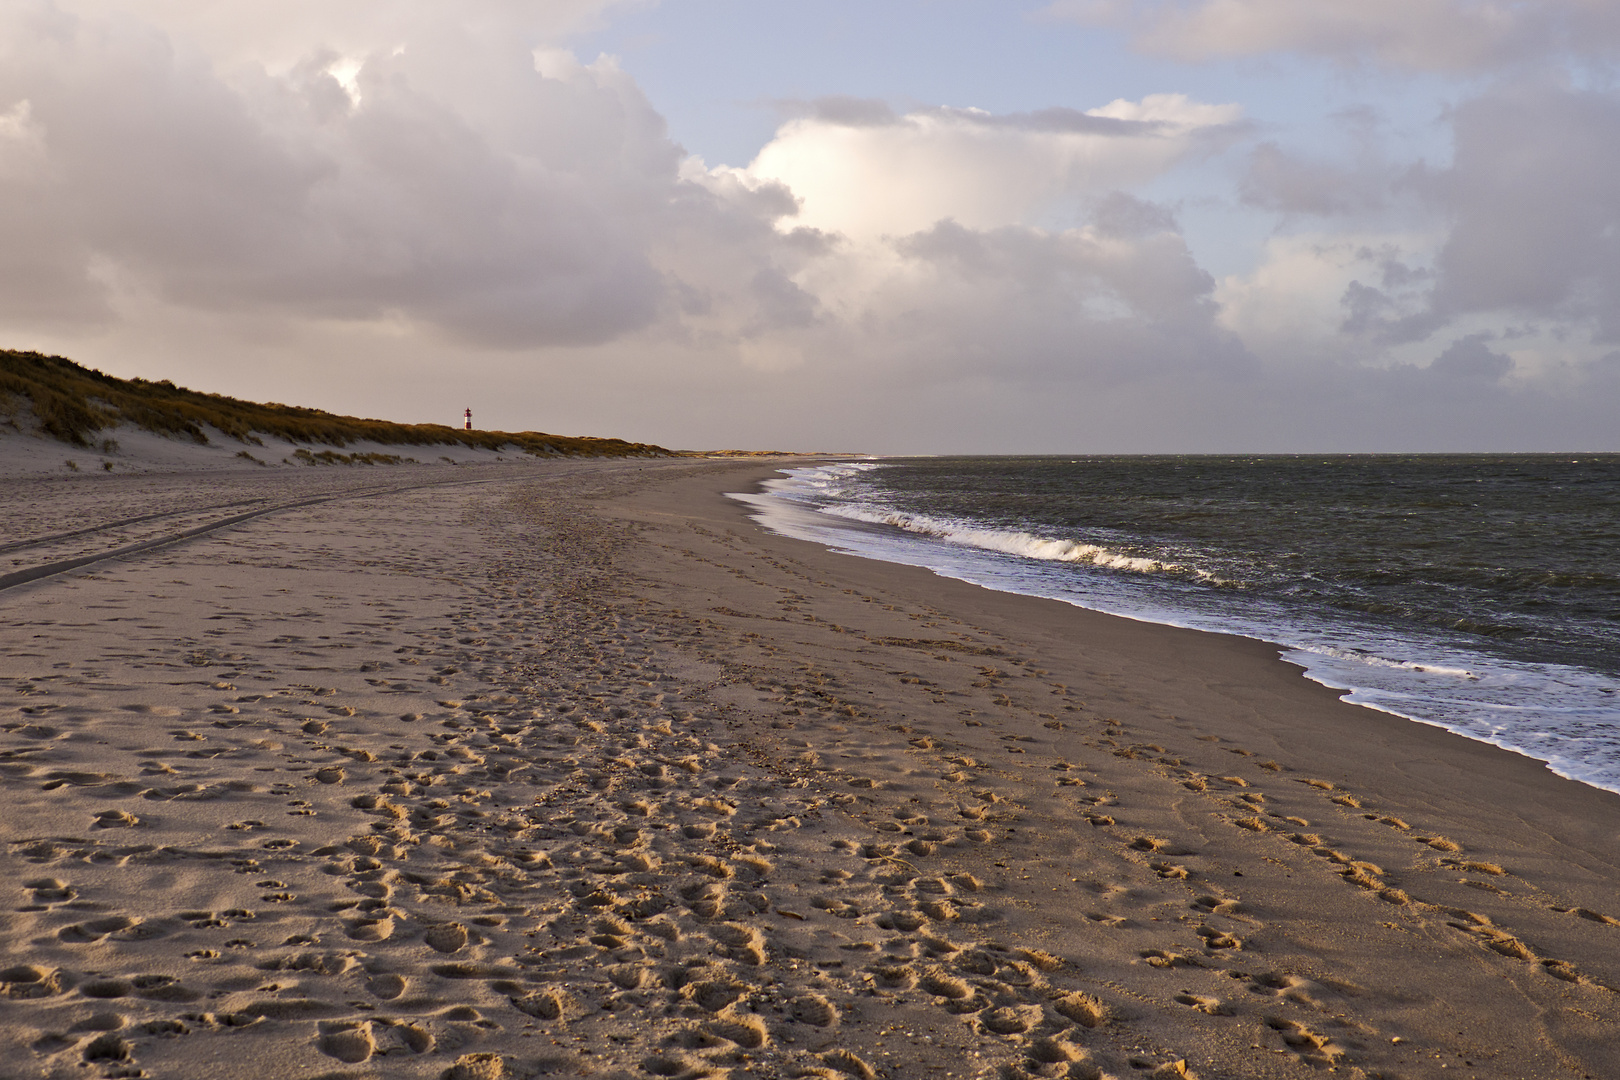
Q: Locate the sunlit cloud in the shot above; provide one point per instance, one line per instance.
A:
(865, 172)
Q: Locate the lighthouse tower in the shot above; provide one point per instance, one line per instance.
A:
(468, 425)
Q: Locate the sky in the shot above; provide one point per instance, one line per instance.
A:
(892, 226)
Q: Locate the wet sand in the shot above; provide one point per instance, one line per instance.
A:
(572, 770)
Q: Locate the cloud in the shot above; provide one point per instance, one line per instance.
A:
(1290, 305)
(1116, 300)
(455, 186)
(1515, 241)
(1527, 235)
(1537, 212)
(1425, 35)
(380, 215)
(844, 111)
(278, 35)
(1469, 358)
(863, 171)
(1287, 183)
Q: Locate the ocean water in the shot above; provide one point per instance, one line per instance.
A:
(1477, 593)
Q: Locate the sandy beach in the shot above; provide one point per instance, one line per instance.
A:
(569, 769)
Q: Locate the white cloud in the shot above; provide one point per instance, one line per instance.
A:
(1299, 306)
(22, 143)
(450, 185)
(865, 172)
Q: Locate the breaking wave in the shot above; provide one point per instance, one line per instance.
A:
(1006, 541)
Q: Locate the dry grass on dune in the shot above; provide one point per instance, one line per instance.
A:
(73, 403)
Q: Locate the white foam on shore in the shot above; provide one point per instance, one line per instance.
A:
(1006, 541)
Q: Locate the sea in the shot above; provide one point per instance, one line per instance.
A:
(1477, 593)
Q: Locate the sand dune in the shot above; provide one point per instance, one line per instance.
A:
(567, 769)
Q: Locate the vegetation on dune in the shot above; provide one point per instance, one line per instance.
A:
(73, 403)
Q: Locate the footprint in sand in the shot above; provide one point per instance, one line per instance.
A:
(1082, 1008)
(1163, 958)
(1217, 939)
(741, 943)
(705, 901)
(102, 1021)
(546, 1005)
(1217, 905)
(1011, 1019)
(50, 891)
(1491, 869)
(116, 819)
(26, 982)
(93, 930)
(1316, 1050)
(627, 976)
(103, 989)
(1590, 915)
(392, 1036)
(380, 929)
(1047, 1052)
(893, 977)
(814, 1010)
(106, 1049)
(1292, 987)
(941, 984)
(349, 1042)
(1212, 1006)
(850, 1064)
(445, 937)
(676, 1067)
(388, 986)
(746, 1031)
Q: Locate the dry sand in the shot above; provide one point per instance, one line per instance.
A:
(568, 769)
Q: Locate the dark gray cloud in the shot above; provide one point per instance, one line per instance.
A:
(1286, 183)
(1470, 359)
(1427, 35)
(1536, 206)
(1122, 216)
(843, 110)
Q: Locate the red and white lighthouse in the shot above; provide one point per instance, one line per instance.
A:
(467, 426)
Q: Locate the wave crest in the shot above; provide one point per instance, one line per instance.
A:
(1006, 541)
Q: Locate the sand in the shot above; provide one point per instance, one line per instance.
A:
(568, 769)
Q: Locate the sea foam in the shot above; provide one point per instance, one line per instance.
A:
(1006, 541)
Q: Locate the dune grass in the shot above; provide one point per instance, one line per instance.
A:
(73, 404)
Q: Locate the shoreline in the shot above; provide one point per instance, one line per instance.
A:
(1214, 648)
(1328, 661)
(574, 770)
